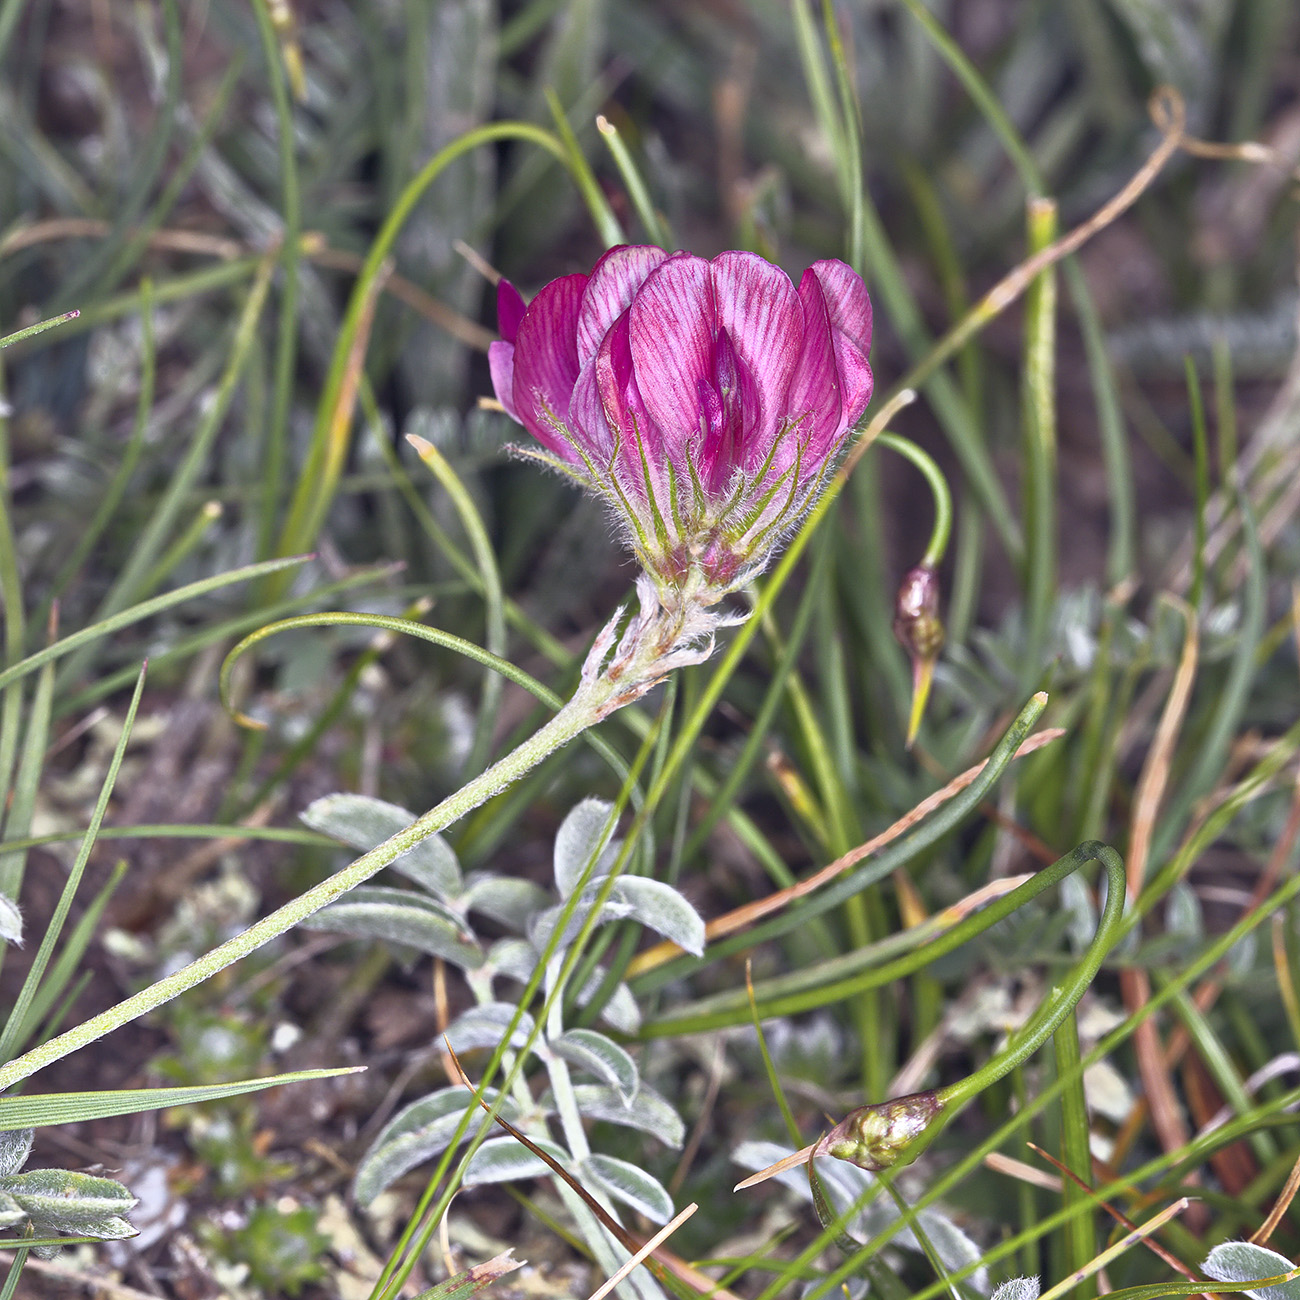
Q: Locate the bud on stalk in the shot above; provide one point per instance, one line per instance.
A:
(919, 630)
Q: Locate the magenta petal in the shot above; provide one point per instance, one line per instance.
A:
(546, 365)
(728, 408)
(856, 382)
(613, 283)
(586, 414)
(814, 402)
(671, 326)
(501, 361)
(759, 309)
(639, 438)
(847, 302)
(510, 310)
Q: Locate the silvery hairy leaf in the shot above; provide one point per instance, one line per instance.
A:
(544, 923)
(503, 1160)
(516, 959)
(503, 898)
(61, 1201)
(600, 1056)
(585, 834)
(626, 1183)
(400, 916)
(486, 1026)
(1017, 1288)
(659, 907)
(363, 823)
(417, 1133)
(11, 1213)
(11, 921)
(620, 1011)
(647, 1111)
(15, 1147)
(1243, 1261)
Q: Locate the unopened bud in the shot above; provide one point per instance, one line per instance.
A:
(919, 629)
(873, 1137)
(916, 614)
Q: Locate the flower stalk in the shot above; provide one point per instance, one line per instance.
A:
(618, 670)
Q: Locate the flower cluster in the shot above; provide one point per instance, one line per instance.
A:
(705, 401)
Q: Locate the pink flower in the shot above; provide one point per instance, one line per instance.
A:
(706, 401)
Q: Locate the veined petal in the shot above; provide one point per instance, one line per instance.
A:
(856, 382)
(759, 309)
(624, 407)
(501, 361)
(671, 328)
(728, 411)
(546, 363)
(847, 302)
(814, 402)
(510, 310)
(613, 283)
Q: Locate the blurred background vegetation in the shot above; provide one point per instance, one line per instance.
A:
(204, 181)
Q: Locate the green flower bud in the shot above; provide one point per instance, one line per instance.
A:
(873, 1137)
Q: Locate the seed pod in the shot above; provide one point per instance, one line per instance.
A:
(873, 1137)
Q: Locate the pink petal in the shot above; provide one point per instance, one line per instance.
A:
(625, 409)
(847, 302)
(587, 420)
(671, 330)
(501, 361)
(546, 363)
(814, 397)
(727, 411)
(510, 310)
(759, 309)
(613, 283)
(856, 382)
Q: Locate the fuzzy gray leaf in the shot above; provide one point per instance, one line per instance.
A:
(514, 958)
(633, 1186)
(486, 1026)
(600, 1056)
(1243, 1261)
(416, 1134)
(503, 1160)
(543, 926)
(15, 1147)
(400, 916)
(11, 921)
(362, 823)
(585, 834)
(504, 899)
(620, 1011)
(61, 1201)
(659, 907)
(11, 1213)
(1018, 1288)
(647, 1111)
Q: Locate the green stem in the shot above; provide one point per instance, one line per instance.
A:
(934, 476)
(1080, 1235)
(587, 707)
(1063, 998)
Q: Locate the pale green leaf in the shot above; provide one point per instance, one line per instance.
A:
(584, 836)
(600, 1056)
(1243, 1261)
(633, 1186)
(363, 823)
(400, 916)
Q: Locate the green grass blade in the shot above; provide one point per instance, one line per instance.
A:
(77, 1107)
(10, 1038)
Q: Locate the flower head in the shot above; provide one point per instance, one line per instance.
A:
(705, 401)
